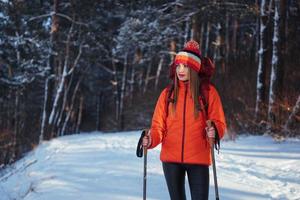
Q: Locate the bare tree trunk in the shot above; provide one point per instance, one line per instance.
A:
(63, 108)
(257, 36)
(137, 59)
(10, 70)
(132, 82)
(201, 37)
(234, 37)
(161, 61)
(124, 80)
(172, 51)
(79, 114)
(195, 32)
(207, 39)
(262, 65)
(270, 7)
(70, 110)
(187, 30)
(227, 45)
(17, 48)
(276, 81)
(44, 116)
(68, 89)
(147, 76)
(116, 92)
(46, 127)
(293, 116)
(58, 110)
(16, 128)
(9, 110)
(99, 107)
(61, 85)
(217, 43)
(140, 80)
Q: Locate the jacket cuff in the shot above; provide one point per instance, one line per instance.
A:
(154, 141)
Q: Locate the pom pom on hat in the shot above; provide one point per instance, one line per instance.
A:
(193, 46)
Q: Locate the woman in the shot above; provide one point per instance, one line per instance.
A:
(180, 125)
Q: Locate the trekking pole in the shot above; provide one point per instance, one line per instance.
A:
(139, 153)
(145, 174)
(209, 124)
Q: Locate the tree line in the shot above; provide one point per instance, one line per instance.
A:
(70, 66)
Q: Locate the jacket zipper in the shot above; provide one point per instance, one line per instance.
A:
(183, 127)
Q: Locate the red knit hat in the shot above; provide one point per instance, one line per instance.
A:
(190, 56)
(202, 65)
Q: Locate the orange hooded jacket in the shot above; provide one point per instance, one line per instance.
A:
(182, 136)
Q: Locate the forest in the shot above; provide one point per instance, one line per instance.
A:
(70, 66)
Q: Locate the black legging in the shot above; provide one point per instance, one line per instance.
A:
(198, 177)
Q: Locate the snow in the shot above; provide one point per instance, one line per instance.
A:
(104, 166)
(2, 15)
(47, 23)
(262, 7)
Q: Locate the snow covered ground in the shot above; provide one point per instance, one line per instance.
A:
(104, 167)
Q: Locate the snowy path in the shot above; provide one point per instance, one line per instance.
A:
(104, 167)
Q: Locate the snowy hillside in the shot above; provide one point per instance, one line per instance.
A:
(104, 167)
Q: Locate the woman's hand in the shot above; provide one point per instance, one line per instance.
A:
(147, 139)
(211, 134)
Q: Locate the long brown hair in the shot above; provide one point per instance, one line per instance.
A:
(194, 88)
